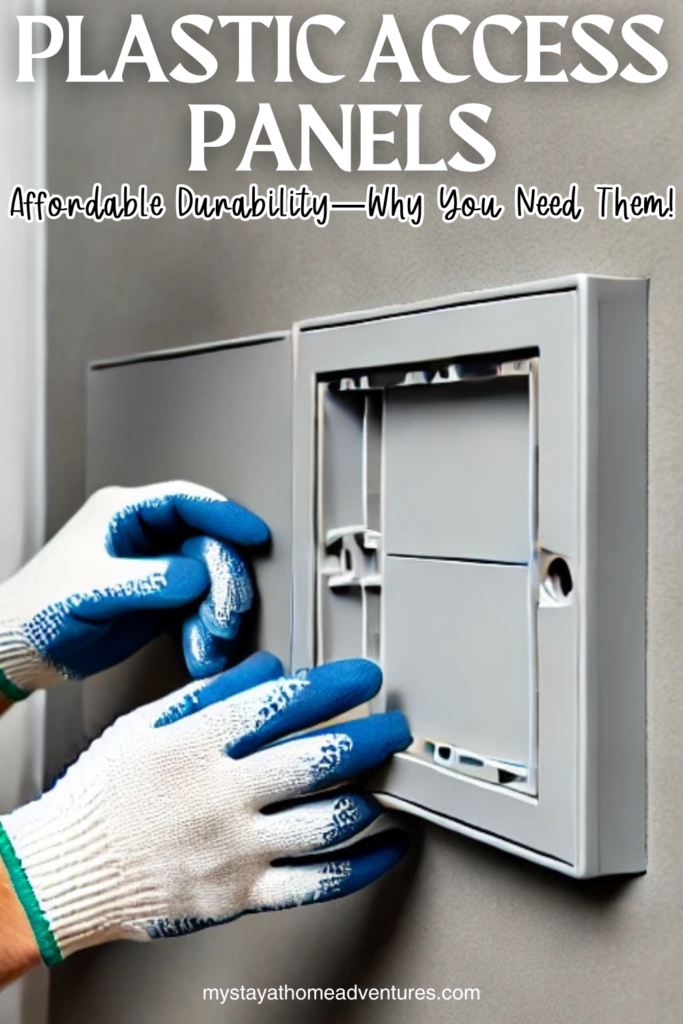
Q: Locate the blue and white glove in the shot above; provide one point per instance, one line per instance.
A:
(103, 586)
(157, 830)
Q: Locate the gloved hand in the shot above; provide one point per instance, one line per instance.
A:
(101, 588)
(157, 830)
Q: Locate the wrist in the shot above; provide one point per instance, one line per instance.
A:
(26, 898)
(22, 669)
(17, 662)
(19, 951)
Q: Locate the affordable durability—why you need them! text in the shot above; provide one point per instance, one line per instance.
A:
(300, 203)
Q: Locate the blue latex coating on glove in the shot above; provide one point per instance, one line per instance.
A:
(130, 570)
(145, 524)
(361, 864)
(355, 747)
(331, 690)
(259, 668)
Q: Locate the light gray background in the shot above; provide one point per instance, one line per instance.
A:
(541, 948)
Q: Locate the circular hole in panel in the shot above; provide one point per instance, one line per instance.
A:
(558, 581)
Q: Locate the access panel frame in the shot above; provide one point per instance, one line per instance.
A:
(587, 815)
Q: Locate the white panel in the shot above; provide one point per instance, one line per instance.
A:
(457, 456)
(456, 654)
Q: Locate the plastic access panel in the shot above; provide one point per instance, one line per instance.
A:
(470, 511)
(457, 490)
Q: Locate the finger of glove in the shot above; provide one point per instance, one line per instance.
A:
(324, 758)
(196, 697)
(143, 585)
(231, 594)
(205, 655)
(331, 877)
(319, 824)
(168, 512)
(287, 705)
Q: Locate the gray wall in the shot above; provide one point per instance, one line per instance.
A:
(540, 948)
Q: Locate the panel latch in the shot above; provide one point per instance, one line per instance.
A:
(352, 558)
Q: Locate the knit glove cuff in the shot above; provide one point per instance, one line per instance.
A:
(62, 868)
(22, 670)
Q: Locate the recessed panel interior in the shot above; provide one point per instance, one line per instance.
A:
(457, 648)
(457, 470)
(425, 518)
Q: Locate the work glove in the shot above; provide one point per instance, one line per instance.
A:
(103, 587)
(159, 828)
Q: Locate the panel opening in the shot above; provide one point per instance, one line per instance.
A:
(426, 510)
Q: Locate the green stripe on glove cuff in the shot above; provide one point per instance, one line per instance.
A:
(47, 944)
(9, 690)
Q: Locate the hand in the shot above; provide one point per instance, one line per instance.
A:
(102, 588)
(19, 951)
(157, 830)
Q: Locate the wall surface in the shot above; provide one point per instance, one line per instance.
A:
(539, 947)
